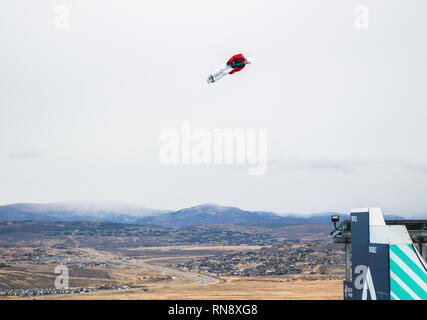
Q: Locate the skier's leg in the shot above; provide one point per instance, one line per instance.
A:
(218, 72)
(221, 73)
(215, 77)
(218, 76)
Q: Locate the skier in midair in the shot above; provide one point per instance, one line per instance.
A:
(234, 64)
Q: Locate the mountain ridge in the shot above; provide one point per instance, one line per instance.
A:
(117, 212)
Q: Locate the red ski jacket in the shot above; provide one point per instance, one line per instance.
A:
(237, 59)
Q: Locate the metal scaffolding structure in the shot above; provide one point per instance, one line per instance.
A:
(417, 230)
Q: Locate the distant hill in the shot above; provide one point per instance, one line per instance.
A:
(117, 212)
(110, 211)
(209, 213)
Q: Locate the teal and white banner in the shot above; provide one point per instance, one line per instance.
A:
(408, 274)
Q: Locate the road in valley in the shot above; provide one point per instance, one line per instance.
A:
(203, 280)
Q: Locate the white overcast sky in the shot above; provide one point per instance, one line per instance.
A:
(81, 110)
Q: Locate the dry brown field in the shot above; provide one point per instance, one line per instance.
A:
(234, 288)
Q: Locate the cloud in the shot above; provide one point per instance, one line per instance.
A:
(342, 165)
(321, 164)
(419, 167)
(26, 155)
